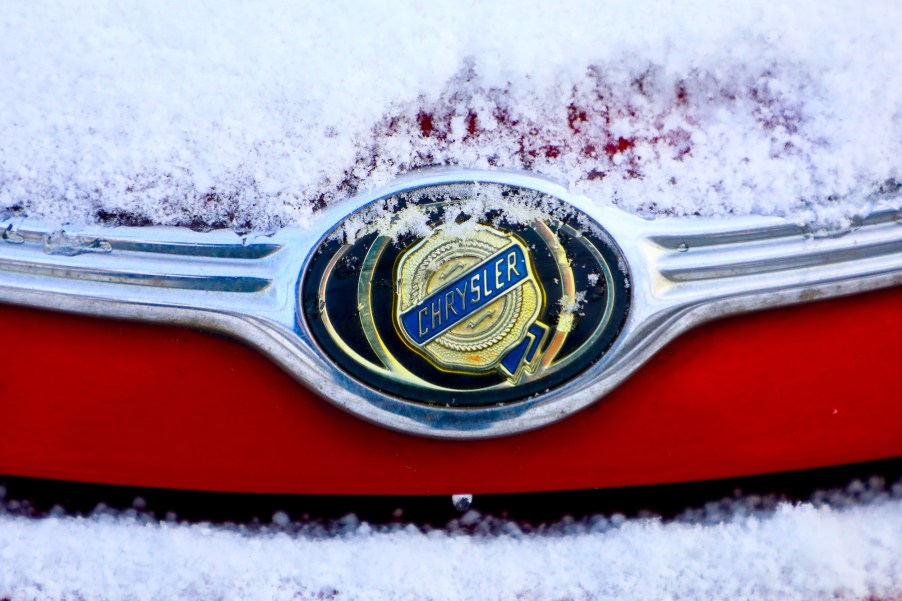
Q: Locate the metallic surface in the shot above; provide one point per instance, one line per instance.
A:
(683, 272)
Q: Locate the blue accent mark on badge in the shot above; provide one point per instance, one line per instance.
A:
(526, 351)
(451, 304)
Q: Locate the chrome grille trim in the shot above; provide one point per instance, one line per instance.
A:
(682, 272)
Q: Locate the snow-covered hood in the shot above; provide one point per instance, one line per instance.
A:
(252, 116)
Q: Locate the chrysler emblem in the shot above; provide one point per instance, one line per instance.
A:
(476, 307)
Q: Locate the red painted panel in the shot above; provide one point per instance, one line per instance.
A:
(131, 403)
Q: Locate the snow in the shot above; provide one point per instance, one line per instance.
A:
(839, 545)
(252, 116)
(475, 203)
(462, 502)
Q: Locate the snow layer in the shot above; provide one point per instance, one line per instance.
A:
(252, 115)
(836, 547)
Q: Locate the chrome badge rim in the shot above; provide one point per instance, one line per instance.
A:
(479, 312)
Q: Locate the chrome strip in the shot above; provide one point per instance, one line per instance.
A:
(682, 272)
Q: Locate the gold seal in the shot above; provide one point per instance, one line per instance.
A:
(465, 301)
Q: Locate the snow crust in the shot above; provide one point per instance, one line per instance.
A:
(467, 205)
(252, 115)
(840, 545)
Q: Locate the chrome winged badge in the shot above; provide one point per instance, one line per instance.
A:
(493, 301)
(456, 304)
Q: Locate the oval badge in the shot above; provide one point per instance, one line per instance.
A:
(465, 295)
